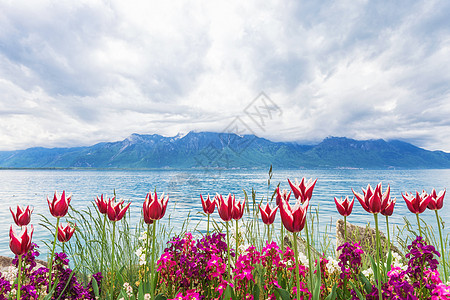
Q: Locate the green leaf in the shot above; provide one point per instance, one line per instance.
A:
(95, 287)
(358, 293)
(283, 294)
(317, 284)
(366, 282)
(333, 294)
(141, 292)
(227, 293)
(160, 297)
(374, 268)
(255, 292)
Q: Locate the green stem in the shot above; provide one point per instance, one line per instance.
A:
(389, 237)
(19, 277)
(153, 288)
(228, 251)
(51, 257)
(378, 256)
(282, 238)
(268, 234)
(345, 228)
(310, 283)
(147, 255)
(237, 241)
(418, 223)
(103, 244)
(207, 228)
(442, 247)
(297, 272)
(112, 259)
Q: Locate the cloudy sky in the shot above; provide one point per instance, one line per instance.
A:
(80, 72)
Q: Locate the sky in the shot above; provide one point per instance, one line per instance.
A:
(75, 73)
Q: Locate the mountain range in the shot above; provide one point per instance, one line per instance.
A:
(228, 150)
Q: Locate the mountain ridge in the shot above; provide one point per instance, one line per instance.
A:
(227, 150)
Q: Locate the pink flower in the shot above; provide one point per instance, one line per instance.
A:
(102, 204)
(417, 204)
(303, 190)
(294, 218)
(154, 208)
(59, 207)
(65, 233)
(23, 215)
(282, 196)
(238, 209)
(437, 201)
(225, 207)
(372, 201)
(20, 243)
(208, 205)
(115, 210)
(345, 206)
(268, 213)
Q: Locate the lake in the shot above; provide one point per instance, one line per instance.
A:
(31, 187)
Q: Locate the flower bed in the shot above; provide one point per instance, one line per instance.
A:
(216, 265)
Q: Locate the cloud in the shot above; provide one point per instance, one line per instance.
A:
(77, 73)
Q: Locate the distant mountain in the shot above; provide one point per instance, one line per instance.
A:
(228, 150)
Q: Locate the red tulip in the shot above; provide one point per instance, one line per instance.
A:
(417, 204)
(115, 211)
(345, 206)
(208, 204)
(294, 218)
(65, 233)
(23, 216)
(372, 199)
(238, 209)
(154, 208)
(58, 207)
(437, 201)
(303, 189)
(20, 244)
(268, 213)
(282, 196)
(388, 209)
(225, 207)
(102, 204)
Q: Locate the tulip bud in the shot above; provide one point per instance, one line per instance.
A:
(65, 233)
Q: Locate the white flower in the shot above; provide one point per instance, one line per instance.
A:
(147, 297)
(303, 259)
(143, 236)
(368, 273)
(332, 265)
(244, 248)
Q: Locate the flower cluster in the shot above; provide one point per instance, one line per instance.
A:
(350, 260)
(194, 265)
(36, 280)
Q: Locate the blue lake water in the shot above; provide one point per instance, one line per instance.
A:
(31, 187)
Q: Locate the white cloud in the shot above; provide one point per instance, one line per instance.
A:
(77, 73)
